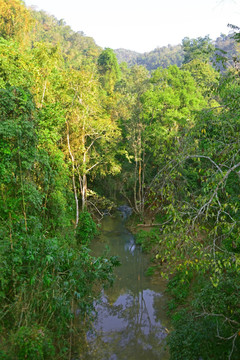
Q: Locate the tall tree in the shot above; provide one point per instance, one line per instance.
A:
(109, 70)
(15, 20)
(200, 48)
(18, 157)
(91, 134)
(129, 109)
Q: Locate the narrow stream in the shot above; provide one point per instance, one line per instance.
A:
(131, 322)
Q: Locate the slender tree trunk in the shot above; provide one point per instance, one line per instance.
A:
(43, 94)
(84, 192)
(140, 171)
(143, 181)
(73, 176)
(84, 176)
(135, 181)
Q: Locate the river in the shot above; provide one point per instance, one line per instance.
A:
(131, 323)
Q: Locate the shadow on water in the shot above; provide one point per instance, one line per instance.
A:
(131, 323)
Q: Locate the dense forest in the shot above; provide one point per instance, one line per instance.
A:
(174, 55)
(80, 134)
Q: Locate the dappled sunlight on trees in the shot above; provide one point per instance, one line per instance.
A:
(80, 134)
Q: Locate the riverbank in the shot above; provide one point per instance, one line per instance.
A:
(203, 302)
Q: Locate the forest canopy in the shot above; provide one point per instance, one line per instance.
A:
(81, 133)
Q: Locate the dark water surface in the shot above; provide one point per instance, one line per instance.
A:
(131, 322)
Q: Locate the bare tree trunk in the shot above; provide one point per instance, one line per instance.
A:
(43, 95)
(135, 181)
(84, 192)
(140, 185)
(140, 171)
(143, 181)
(84, 176)
(138, 174)
(73, 176)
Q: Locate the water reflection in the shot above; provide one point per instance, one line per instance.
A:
(131, 323)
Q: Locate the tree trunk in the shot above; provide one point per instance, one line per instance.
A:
(84, 192)
(73, 176)
(84, 176)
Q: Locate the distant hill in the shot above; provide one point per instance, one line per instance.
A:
(81, 49)
(171, 55)
(230, 48)
(128, 56)
(161, 56)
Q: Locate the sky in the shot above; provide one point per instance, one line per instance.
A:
(143, 25)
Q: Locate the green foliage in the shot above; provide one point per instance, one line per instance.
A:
(70, 119)
(32, 342)
(200, 48)
(18, 155)
(109, 69)
(169, 107)
(179, 286)
(206, 78)
(161, 57)
(204, 331)
(14, 65)
(41, 279)
(79, 49)
(192, 340)
(147, 239)
(15, 19)
(86, 229)
(200, 199)
(150, 271)
(223, 49)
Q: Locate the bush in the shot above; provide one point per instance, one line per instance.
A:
(32, 343)
(191, 338)
(147, 239)
(86, 229)
(208, 328)
(39, 281)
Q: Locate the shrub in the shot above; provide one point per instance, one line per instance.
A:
(86, 229)
(39, 281)
(32, 343)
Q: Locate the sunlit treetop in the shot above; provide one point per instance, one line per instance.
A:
(15, 19)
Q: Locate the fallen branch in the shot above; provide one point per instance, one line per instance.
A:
(148, 225)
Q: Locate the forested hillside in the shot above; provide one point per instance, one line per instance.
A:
(161, 56)
(80, 134)
(173, 55)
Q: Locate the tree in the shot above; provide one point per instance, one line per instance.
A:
(15, 20)
(132, 86)
(18, 156)
(91, 134)
(15, 65)
(200, 48)
(168, 109)
(206, 78)
(198, 190)
(108, 69)
(47, 62)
